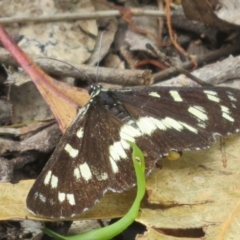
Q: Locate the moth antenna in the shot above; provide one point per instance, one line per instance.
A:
(99, 52)
(85, 75)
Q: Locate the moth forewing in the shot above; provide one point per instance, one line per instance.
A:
(94, 155)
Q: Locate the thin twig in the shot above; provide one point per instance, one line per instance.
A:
(80, 16)
(123, 77)
(180, 69)
(209, 57)
(160, 20)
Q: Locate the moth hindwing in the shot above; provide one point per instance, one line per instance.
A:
(94, 156)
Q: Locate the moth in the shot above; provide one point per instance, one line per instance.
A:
(93, 156)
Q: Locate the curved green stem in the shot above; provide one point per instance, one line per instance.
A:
(110, 231)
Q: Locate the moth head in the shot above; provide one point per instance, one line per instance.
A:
(94, 90)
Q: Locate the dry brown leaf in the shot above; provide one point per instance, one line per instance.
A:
(13, 203)
(197, 192)
(12, 199)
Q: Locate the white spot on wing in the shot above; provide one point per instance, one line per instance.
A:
(170, 122)
(231, 97)
(175, 95)
(117, 152)
(210, 92)
(213, 98)
(154, 94)
(202, 124)
(71, 151)
(159, 124)
(85, 171)
(71, 199)
(41, 197)
(113, 165)
(61, 196)
(212, 95)
(36, 195)
(102, 177)
(125, 144)
(127, 137)
(113, 153)
(149, 124)
(233, 105)
(225, 109)
(190, 128)
(47, 178)
(76, 173)
(146, 125)
(80, 133)
(200, 108)
(226, 116)
(195, 110)
(54, 181)
(225, 113)
(127, 132)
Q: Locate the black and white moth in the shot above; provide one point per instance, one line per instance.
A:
(93, 155)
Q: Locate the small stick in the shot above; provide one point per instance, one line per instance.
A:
(207, 58)
(168, 61)
(80, 16)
